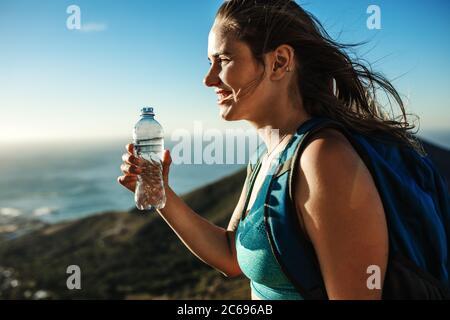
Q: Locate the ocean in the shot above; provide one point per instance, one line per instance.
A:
(65, 181)
(440, 138)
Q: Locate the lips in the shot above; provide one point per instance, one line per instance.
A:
(223, 94)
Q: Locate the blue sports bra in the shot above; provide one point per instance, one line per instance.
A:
(255, 256)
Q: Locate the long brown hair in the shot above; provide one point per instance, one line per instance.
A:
(322, 64)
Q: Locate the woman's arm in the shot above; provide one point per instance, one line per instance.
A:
(211, 244)
(343, 216)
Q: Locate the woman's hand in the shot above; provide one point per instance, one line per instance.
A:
(132, 167)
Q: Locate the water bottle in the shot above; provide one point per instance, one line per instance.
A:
(148, 139)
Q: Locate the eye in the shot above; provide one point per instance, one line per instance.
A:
(223, 60)
(219, 61)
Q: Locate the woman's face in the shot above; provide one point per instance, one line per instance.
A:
(233, 71)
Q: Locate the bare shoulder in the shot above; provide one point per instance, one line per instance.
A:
(328, 144)
(342, 213)
(331, 168)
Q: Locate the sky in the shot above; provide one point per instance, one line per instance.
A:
(62, 84)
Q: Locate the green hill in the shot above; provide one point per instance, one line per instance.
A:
(122, 255)
(129, 255)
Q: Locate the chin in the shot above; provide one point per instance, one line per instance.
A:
(228, 113)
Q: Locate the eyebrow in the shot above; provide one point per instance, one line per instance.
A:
(216, 55)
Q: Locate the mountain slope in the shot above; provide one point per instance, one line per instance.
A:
(130, 254)
(123, 255)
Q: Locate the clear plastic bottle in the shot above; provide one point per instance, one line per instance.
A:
(148, 139)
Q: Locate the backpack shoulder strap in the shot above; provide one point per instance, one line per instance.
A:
(287, 239)
(254, 160)
(291, 164)
(253, 163)
(282, 226)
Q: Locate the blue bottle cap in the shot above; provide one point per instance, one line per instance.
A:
(147, 111)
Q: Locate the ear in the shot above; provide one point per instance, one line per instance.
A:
(282, 61)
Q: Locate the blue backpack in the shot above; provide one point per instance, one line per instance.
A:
(416, 203)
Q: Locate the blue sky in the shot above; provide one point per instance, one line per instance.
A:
(57, 83)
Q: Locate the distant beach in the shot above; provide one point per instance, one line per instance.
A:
(60, 182)
(57, 182)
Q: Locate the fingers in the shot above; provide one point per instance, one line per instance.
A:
(130, 169)
(125, 180)
(130, 148)
(134, 165)
(132, 159)
(128, 182)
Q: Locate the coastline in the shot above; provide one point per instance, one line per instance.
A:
(126, 254)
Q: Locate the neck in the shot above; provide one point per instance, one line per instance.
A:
(277, 128)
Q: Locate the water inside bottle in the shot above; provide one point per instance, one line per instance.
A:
(149, 148)
(150, 188)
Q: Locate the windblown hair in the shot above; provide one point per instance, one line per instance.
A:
(330, 82)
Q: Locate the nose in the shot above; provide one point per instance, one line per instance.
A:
(211, 79)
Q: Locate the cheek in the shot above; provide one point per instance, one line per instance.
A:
(236, 77)
(229, 76)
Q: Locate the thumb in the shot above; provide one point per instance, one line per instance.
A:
(166, 162)
(167, 159)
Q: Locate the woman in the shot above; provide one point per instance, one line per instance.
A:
(273, 65)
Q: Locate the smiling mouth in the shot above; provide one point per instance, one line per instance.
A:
(223, 95)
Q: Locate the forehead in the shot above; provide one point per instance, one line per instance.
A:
(222, 42)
